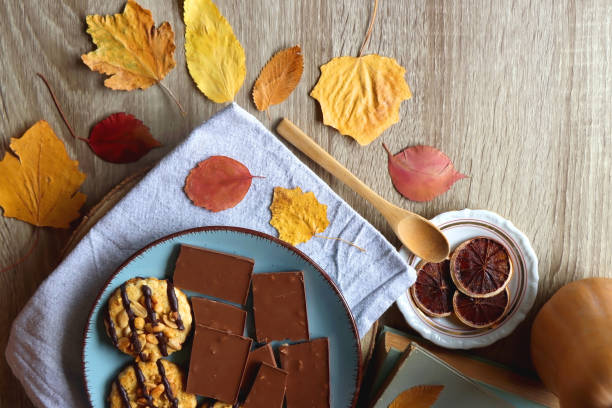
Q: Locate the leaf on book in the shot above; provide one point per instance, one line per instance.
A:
(420, 396)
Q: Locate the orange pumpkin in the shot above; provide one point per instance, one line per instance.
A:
(571, 343)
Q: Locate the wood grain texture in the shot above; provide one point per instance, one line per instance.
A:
(517, 93)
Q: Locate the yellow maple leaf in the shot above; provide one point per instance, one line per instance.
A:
(297, 216)
(130, 49)
(361, 96)
(278, 78)
(41, 184)
(215, 58)
(420, 396)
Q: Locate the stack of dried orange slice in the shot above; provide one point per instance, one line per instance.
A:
(473, 284)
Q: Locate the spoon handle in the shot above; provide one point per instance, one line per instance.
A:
(310, 148)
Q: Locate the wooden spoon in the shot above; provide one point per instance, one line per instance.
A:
(416, 233)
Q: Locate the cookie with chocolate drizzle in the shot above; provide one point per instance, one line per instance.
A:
(148, 318)
(158, 384)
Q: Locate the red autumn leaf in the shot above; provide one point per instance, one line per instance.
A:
(121, 138)
(218, 183)
(421, 173)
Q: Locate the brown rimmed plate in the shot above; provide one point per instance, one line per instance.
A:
(328, 313)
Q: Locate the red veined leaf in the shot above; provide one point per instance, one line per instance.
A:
(121, 138)
(218, 183)
(421, 173)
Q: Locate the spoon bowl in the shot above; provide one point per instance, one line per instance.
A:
(417, 234)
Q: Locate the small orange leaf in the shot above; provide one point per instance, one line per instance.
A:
(130, 49)
(297, 216)
(40, 183)
(278, 78)
(421, 173)
(420, 396)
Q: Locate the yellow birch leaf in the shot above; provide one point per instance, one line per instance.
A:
(297, 216)
(215, 58)
(130, 49)
(361, 96)
(278, 78)
(420, 396)
(40, 184)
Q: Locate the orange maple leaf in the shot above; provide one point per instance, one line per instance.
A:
(40, 184)
(130, 49)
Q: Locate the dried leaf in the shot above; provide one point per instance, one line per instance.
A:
(421, 173)
(121, 138)
(361, 96)
(40, 183)
(278, 78)
(218, 183)
(420, 396)
(297, 216)
(130, 49)
(215, 58)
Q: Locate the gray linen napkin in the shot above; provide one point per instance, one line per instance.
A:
(44, 349)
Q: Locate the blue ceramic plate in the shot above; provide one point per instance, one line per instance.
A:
(328, 313)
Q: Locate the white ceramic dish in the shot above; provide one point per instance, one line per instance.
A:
(459, 226)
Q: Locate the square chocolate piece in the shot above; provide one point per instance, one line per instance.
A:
(264, 354)
(269, 388)
(213, 273)
(279, 306)
(308, 367)
(218, 315)
(217, 364)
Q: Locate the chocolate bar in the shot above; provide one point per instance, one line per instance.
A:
(268, 391)
(308, 367)
(217, 363)
(218, 315)
(279, 306)
(213, 273)
(264, 354)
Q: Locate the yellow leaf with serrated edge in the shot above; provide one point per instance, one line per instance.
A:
(40, 186)
(361, 96)
(420, 396)
(215, 58)
(297, 216)
(130, 49)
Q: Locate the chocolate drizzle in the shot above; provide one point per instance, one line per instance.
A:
(110, 327)
(174, 304)
(151, 316)
(133, 335)
(162, 343)
(141, 383)
(123, 394)
(162, 372)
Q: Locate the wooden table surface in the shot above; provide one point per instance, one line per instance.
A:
(519, 95)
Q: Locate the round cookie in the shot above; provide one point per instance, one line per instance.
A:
(155, 322)
(160, 384)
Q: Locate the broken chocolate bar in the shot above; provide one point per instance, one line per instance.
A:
(213, 273)
(279, 306)
(264, 354)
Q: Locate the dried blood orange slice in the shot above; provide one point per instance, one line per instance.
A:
(481, 267)
(481, 312)
(433, 290)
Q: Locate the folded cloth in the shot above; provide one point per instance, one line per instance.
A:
(44, 349)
